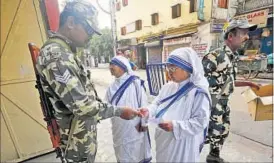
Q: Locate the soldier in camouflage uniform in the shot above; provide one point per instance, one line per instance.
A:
(72, 94)
(220, 70)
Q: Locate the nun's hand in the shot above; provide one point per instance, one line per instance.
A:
(144, 112)
(166, 125)
(128, 113)
(140, 128)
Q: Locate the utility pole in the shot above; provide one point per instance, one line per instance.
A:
(111, 13)
(113, 24)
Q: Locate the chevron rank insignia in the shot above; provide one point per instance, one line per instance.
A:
(63, 78)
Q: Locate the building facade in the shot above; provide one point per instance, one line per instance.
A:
(152, 29)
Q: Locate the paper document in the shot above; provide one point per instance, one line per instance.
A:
(155, 120)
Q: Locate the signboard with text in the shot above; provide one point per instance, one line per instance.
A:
(200, 49)
(216, 26)
(257, 17)
(176, 41)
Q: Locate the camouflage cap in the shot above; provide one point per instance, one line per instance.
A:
(241, 23)
(83, 10)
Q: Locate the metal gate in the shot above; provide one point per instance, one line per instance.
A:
(156, 77)
(23, 132)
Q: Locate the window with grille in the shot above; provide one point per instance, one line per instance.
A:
(123, 31)
(138, 24)
(125, 2)
(176, 11)
(192, 6)
(155, 19)
(223, 4)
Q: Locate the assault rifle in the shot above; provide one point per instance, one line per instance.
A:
(46, 106)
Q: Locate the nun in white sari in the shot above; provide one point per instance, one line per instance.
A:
(182, 109)
(127, 90)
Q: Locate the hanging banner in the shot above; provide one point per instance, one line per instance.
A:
(201, 10)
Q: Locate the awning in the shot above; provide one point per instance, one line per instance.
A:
(141, 44)
(127, 42)
(270, 15)
(152, 44)
(178, 35)
(124, 48)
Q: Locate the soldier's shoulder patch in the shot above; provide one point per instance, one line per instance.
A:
(63, 78)
(51, 52)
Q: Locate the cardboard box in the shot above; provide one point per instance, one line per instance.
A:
(260, 102)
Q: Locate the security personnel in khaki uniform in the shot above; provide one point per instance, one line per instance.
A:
(220, 70)
(73, 96)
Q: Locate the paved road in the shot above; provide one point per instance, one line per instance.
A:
(249, 141)
(241, 122)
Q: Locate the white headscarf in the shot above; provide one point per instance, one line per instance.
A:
(123, 63)
(187, 59)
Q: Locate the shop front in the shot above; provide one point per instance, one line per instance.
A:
(170, 44)
(153, 52)
(267, 36)
(141, 52)
(261, 40)
(178, 37)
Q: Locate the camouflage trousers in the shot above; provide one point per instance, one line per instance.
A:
(219, 124)
(82, 146)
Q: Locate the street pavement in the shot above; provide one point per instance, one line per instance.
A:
(249, 141)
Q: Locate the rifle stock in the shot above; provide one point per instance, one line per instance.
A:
(46, 106)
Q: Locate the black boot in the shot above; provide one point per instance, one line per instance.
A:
(214, 156)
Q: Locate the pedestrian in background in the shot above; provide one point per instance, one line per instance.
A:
(127, 55)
